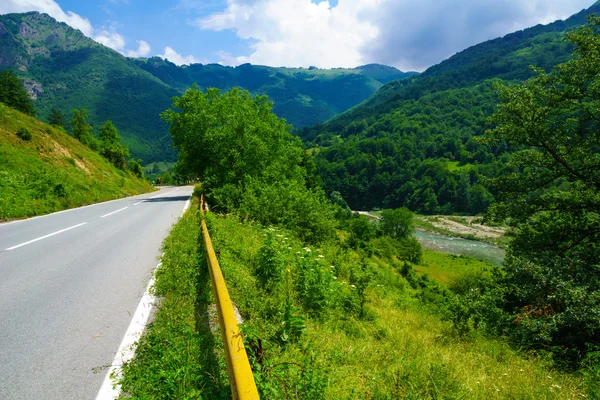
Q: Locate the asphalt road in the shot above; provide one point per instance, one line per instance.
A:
(69, 285)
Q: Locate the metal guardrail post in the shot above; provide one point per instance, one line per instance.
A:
(240, 374)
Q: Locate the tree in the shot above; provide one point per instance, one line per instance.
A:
(247, 160)
(397, 223)
(82, 130)
(56, 118)
(14, 94)
(111, 147)
(551, 281)
(135, 166)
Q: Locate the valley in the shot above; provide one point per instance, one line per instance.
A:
(471, 270)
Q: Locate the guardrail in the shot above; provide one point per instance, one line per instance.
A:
(241, 379)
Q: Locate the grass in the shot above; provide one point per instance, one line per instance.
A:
(178, 356)
(396, 347)
(53, 171)
(443, 267)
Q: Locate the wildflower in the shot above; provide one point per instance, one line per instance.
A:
(353, 286)
(331, 266)
(335, 277)
(321, 256)
(307, 249)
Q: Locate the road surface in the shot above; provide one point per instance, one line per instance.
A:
(69, 285)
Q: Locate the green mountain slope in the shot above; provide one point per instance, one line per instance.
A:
(412, 143)
(64, 69)
(53, 171)
(301, 96)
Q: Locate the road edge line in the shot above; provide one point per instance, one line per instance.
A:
(126, 351)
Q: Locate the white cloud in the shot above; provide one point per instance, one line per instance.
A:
(142, 51)
(176, 58)
(51, 8)
(108, 37)
(298, 32)
(409, 34)
(416, 35)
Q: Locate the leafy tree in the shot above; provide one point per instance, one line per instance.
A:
(13, 93)
(551, 285)
(111, 147)
(247, 160)
(56, 118)
(135, 166)
(397, 223)
(82, 130)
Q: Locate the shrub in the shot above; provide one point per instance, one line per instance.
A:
(24, 133)
(270, 264)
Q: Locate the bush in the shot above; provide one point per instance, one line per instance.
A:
(24, 133)
(270, 264)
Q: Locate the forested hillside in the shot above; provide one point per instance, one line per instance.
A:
(42, 170)
(64, 69)
(301, 96)
(413, 143)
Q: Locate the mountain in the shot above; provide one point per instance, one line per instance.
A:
(52, 171)
(64, 69)
(413, 142)
(303, 96)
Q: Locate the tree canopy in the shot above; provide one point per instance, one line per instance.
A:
(247, 160)
(111, 147)
(551, 281)
(14, 94)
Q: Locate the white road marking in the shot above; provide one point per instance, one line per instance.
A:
(186, 205)
(114, 212)
(139, 202)
(46, 236)
(108, 390)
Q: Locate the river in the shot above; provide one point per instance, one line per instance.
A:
(471, 248)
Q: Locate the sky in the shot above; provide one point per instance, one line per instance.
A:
(408, 34)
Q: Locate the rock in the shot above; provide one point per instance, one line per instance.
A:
(34, 89)
(27, 32)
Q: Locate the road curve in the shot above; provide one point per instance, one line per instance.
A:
(69, 285)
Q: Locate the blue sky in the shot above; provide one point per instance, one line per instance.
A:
(408, 34)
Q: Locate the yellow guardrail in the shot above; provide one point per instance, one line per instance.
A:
(241, 379)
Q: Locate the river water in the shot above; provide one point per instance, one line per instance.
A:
(471, 248)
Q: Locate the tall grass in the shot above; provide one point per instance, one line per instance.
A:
(313, 338)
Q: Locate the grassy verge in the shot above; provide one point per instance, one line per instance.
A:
(443, 267)
(178, 356)
(53, 171)
(396, 347)
(319, 324)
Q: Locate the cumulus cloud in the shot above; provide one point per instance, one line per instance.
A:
(51, 8)
(143, 50)
(409, 34)
(414, 36)
(298, 32)
(108, 37)
(176, 58)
